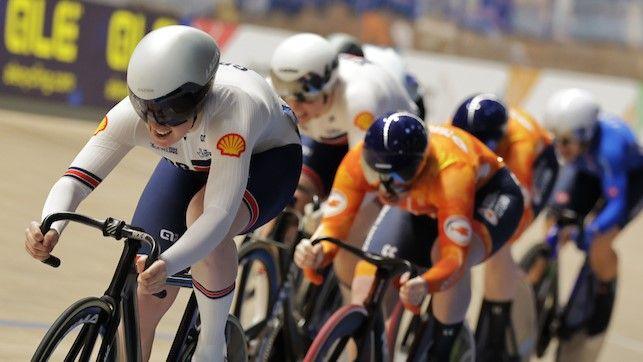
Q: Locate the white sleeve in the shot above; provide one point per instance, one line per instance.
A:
(225, 186)
(113, 138)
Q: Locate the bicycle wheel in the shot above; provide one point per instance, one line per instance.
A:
(76, 332)
(236, 344)
(545, 293)
(257, 282)
(336, 332)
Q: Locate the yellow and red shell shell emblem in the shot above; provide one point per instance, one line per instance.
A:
(231, 144)
(363, 120)
(101, 126)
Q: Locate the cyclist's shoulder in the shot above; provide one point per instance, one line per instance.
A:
(121, 122)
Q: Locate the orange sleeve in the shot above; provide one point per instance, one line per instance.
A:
(520, 160)
(454, 199)
(342, 205)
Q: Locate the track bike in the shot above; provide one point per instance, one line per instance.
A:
(364, 325)
(279, 325)
(554, 320)
(93, 321)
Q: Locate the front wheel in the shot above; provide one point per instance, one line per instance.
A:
(76, 332)
(342, 326)
(236, 343)
(257, 283)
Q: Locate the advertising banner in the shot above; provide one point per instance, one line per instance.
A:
(70, 51)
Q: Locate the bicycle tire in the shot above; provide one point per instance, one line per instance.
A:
(250, 253)
(236, 343)
(343, 324)
(88, 311)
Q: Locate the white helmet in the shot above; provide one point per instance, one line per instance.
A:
(170, 73)
(572, 110)
(303, 66)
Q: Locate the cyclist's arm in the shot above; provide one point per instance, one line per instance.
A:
(113, 138)
(224, 189)
(343, 203)
(520, 161)
(614, 185)
(455, 216)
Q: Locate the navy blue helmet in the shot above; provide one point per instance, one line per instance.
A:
(484, 116)
(394, 147)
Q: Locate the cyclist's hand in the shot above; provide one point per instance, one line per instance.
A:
(414, 290)
(37, 245)
(308, 255)
(152, 279)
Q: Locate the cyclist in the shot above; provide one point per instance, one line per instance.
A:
(335, 99)
(387, 58)
(527, 150)
(222, 132)
(445, 184)
(603, 172)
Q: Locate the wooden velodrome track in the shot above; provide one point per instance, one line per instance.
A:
(35, 152)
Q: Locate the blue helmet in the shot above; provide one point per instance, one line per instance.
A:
(394, 147)
(484, 116)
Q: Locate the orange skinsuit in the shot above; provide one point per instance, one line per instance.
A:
(520, 147)
(456, 165)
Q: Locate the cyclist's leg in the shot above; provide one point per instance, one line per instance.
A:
(499, 209)
(161, 212)
(214, 283)
(344, 263)
(604, 261)
(395, 233)
(214, 276)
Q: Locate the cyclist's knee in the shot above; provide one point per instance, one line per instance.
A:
(154, 308)
(603, 258)
(361, 285)
(222, 262)
(451, 305)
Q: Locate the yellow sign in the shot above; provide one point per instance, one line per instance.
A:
(24, 32)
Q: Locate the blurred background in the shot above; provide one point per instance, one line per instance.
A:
(76, 52)
(63, 62)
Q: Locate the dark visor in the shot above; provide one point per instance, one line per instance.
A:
(175, 108)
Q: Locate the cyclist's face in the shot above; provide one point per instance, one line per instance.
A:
(164, 135)
(568, 147)
(307, 109)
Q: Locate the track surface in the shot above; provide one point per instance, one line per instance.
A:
(36, 150)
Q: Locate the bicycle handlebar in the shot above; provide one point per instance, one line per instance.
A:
(395, 265)
(111, 227)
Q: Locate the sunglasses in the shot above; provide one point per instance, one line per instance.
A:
(565, 140)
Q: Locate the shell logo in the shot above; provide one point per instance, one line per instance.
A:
(231, 144)
(363, 120)
(101, 126)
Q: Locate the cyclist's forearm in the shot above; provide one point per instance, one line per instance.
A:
(199, 240)
(443, 274)
(65, 195)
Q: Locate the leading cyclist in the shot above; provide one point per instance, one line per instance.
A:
(445, 185)
(603, 174)
(222, 133)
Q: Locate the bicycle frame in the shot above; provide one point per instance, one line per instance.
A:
(121, 292)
